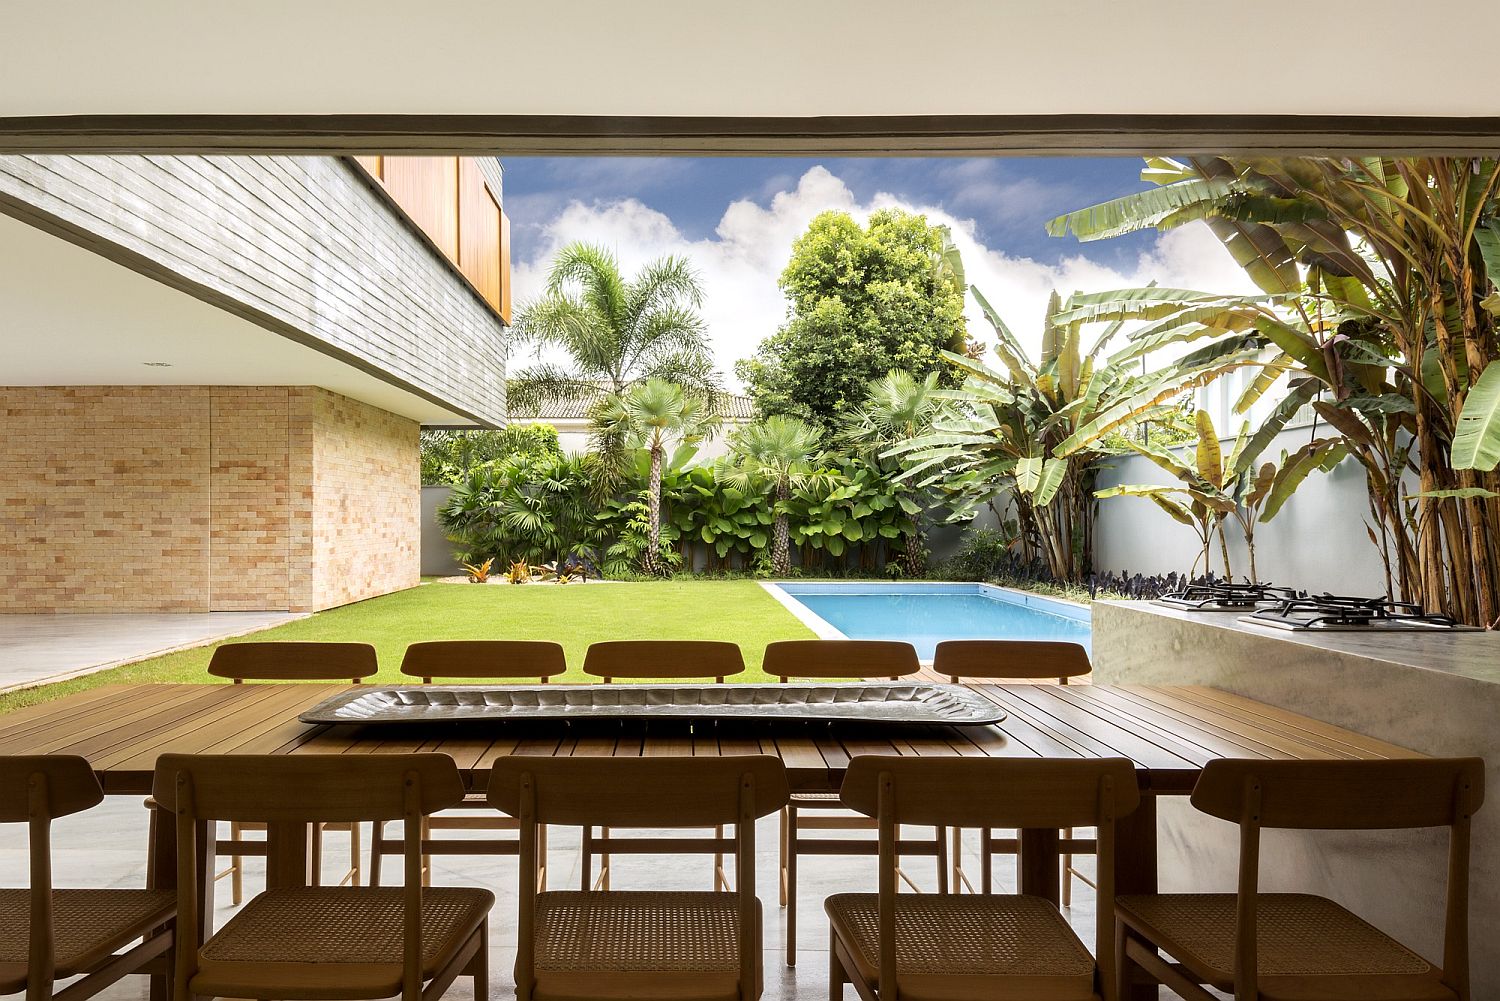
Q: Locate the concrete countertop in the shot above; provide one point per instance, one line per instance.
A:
(1474, 655)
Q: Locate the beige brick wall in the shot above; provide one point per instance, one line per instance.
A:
(363, 536)
(103, 499)
(194, 498)
(250, 498)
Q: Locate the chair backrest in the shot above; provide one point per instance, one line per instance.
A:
(35, 789)
(1025, 659)
(993, 792)
(483, 659)
(640, 792)
(685, 659)
(986, 793)
(307, 788)
(289, 793)
(46, 786)
(1345, 795)
(892, 659)
(284, 661)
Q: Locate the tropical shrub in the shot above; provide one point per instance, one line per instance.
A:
(448, 456)
(535, 509)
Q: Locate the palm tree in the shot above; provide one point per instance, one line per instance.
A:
(784, 451)
(652, 415)
(616, 332)
(898, 408)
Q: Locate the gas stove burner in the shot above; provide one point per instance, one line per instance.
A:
(1346, 613)
(1226, 596)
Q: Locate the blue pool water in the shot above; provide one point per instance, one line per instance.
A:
(925, 614)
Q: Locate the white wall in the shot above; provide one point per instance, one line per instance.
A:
(1316, 542)
(774, 57)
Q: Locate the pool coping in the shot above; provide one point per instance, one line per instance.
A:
(824, 630)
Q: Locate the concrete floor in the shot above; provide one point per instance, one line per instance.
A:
(55, 647)
(106, 847)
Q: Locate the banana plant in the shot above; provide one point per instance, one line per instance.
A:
(1237, 487)
(1379, 290)
(1034, 431)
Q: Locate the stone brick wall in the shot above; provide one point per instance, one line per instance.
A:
(196, 498)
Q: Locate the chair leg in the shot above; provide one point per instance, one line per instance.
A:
(721, 879)
(604, 861)
(236, 869)
(377, 846)
(1124, 972)
(942, 858)
(426, 861)
(541, 858)
(837, 978)
(586, 863)
(781, 858)
(986, 861)
(354, 863)
(315, 855)
(791, 886)
(481, 964)
(1067, 872)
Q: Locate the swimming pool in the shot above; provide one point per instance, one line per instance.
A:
(925, 614)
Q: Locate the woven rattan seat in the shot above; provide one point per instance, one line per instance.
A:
(1297, 935)
(815, 799)
(90, 925)
(948, 946)
(358, 929)
(608, 944)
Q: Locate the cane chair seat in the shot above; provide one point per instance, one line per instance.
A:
(962, 947)
(606, 944)
(89, 927)
(1308, 947)
(348, 939)
(813, 800)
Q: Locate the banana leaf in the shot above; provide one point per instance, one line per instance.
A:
(1170, 204)
(1476, 439)
(1051, 480)
(1210, 456)
(1322, 453)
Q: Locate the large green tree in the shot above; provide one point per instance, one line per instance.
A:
(616, 331)
(862, 301)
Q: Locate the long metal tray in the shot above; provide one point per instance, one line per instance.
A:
(879, 702)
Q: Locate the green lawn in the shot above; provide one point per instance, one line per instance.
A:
(575, 616)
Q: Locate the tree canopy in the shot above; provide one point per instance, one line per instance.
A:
(862, 301)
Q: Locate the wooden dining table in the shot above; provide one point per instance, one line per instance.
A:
(1169, 733)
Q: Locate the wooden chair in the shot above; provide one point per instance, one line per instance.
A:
(285, 661)
(1295, 946)
(976, 947)
(585, 945)
(48, 934)
(470, 660)
(642, 660)
(299, 941)
(829, 659)
(1023, 660)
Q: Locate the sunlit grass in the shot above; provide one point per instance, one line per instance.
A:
(573, 615)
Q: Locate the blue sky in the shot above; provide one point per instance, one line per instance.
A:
(1009, 200)
(736, 219)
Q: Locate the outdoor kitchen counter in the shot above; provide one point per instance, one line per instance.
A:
(1435, 692)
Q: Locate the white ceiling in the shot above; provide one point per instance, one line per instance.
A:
(69, 317)
(770, 57)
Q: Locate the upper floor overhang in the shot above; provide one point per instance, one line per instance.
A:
(129, 270)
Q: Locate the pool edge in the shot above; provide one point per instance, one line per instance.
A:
(821, 628)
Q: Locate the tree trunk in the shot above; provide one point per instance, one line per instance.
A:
(651, 563)
(781, 555)
(914, 560)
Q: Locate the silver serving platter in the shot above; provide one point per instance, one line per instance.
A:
(857, 702)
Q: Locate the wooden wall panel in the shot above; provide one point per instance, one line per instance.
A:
(478, 232)
(371, 164)
(505, 267)
(426, 188)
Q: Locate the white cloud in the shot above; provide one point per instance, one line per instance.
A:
(741, 261)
